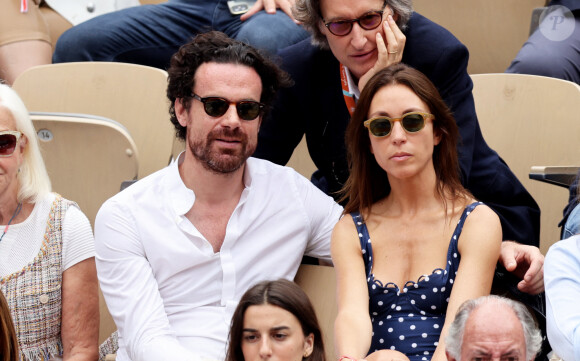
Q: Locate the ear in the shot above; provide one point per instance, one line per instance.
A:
(322, 27)
(308, 345)
(449, 357)
(181, 112)
(437, 137)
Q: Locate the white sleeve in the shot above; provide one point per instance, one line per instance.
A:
(131, 290)
(77, 238)
(323, 213)
(562, 282)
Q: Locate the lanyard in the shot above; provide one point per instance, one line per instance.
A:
(24, 6)
(348, 96)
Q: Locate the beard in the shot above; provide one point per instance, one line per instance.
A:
(222, 161)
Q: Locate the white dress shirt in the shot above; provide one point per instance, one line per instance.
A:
(562, 282)
(170, 295)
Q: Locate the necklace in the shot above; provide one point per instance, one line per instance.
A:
(16, 212)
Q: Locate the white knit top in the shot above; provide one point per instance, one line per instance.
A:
(16, 253)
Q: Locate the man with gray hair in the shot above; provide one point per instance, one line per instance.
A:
(493, 328)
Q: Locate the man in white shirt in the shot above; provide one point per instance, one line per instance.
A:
(176, 250)
(493, 328)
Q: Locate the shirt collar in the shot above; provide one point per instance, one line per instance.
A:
(183, 198)
(352, 85)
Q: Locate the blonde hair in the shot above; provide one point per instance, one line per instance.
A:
(33, 180)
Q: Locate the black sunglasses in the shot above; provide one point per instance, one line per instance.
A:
(368, 21)
(216, 107)
(8, 141)
(411, 122)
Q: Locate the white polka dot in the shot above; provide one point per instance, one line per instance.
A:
(390, 329)
(374, 313)
(416, 285)
(380, 303)
(449, 262)
(436, 343)
(381, 340)
(369, 240)
(358, 223)
(436, 325)
(370, 258)
(438, 271)
(386, 291)
(412, 327)
(424, 359)
(434, 290)
(467, 213)
(360, 235)
(373, 333)
(401, 319)
(423, 318)
(398, 308)
(442, 289)
(402, 337)
(389, 317)
(374, 287)
(433, 307)
(447, 300)
(423, 297)
(426, 278)
(405, 290)
(454, 255)
(393, 305)
(455, 236)
(424, 335)
(425, 352)
(380, 323)
(414, 345)
(451, 280)
(422, 312)
(364, 251)
(412, 302)
(392, 347)
(411, 315)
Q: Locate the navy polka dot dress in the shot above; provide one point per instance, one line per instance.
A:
(410, 320)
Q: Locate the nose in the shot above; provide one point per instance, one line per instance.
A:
(358, 39)
(265, 348)
(231, 119)
(398, 134)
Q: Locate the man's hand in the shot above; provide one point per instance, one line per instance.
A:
(527, 263)
(389, 53)
(270, 7)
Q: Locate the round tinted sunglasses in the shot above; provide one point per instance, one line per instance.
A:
(216, 107)
(8, 141)
(368, 21)
(411, 123)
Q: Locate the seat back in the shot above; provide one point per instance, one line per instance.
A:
(87, 157)
(493, 30)
(133, 95)
(319, 283)
(532, 121)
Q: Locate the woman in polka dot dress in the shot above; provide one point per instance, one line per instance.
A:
(433, 246)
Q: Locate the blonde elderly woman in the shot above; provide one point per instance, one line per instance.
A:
(47, 266)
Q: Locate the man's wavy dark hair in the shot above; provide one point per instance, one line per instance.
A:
(217, 47)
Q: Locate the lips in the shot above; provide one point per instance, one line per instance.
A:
(400, 156)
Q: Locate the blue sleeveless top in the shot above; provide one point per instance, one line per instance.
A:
(410, 320)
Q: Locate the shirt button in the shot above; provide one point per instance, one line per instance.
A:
(43, 298)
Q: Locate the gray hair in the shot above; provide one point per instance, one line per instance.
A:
(33, 181)
(532, 334)
(308, 12)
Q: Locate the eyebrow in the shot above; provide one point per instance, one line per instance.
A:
(277, 328)
(386, 114)
(339, 18)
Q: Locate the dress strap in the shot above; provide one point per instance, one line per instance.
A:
(365, 241)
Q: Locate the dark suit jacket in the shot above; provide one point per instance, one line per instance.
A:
(315, 106)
